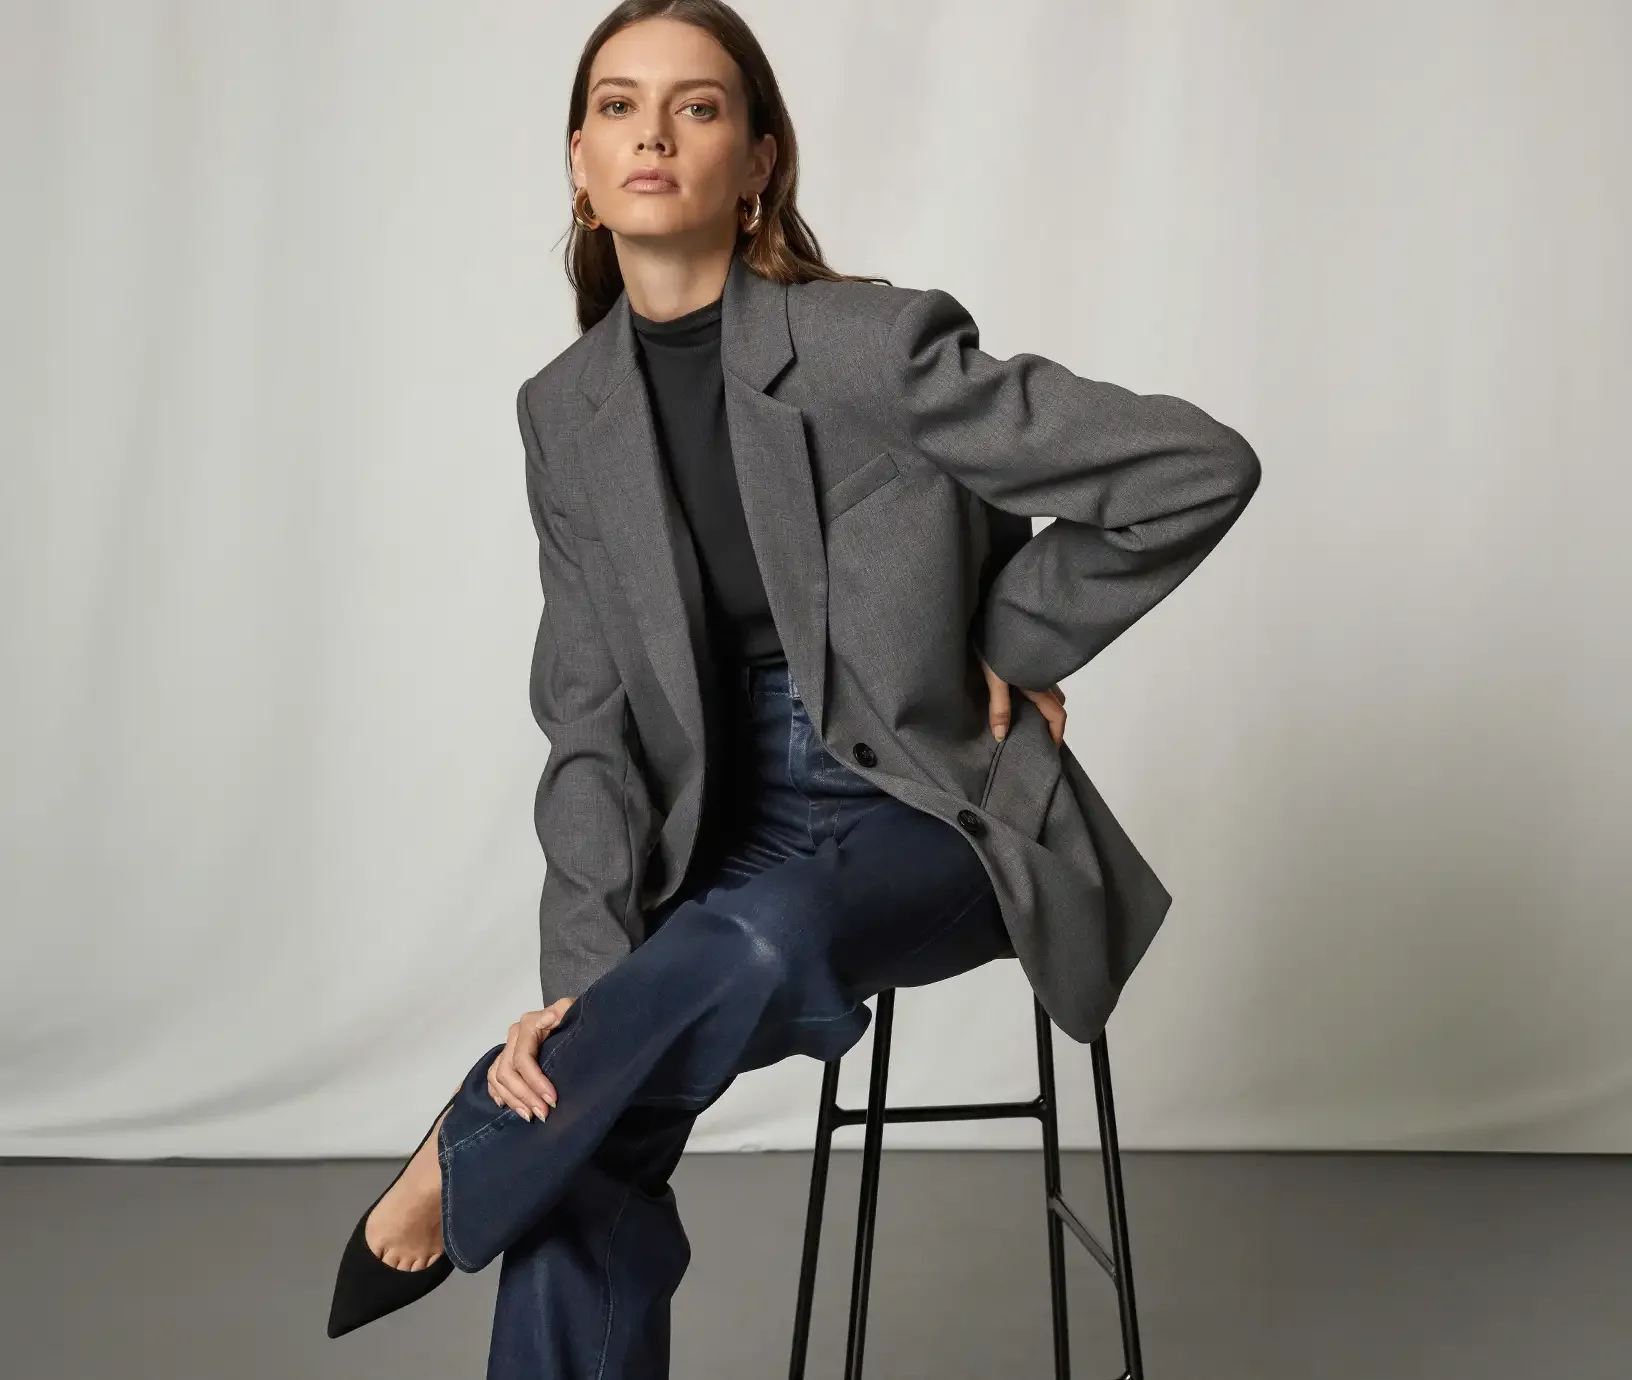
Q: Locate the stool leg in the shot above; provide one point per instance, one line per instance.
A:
(820, 1157)
(867, 1210)
(1110, 1152)
(1052, 1190)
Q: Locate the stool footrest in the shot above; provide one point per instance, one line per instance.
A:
(1062, 1209)
(963, 1111)
(1058, 1217)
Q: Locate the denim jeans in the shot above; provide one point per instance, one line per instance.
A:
(825, 891)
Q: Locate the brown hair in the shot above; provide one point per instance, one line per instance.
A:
(784, 248)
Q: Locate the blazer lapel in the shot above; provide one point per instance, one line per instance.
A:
(644, 532)
(774, 475)
(643, 527)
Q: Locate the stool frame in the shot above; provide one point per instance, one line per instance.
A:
(1115, 1261)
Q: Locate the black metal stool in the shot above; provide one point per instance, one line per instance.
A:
(1059, 1215)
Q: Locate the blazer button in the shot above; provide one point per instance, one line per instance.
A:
(865, 755)
(970, 821)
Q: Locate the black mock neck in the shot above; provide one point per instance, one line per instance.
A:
(691, 328)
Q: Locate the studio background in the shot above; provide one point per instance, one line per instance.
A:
(273, 273)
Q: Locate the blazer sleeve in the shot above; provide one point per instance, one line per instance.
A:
(1141, 487)
(579, 810)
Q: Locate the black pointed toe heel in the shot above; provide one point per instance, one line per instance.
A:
(366, 1287)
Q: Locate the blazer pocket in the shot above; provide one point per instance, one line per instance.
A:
(854, 487)
(1024, 770)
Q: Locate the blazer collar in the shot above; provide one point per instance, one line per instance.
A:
(755, 342)
(642, 525)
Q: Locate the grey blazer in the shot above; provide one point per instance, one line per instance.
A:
(889, 471)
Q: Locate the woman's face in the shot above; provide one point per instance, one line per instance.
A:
(665, 95)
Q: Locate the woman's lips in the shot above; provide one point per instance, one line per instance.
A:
(649, 184)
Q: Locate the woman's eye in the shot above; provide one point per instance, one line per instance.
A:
(606, 106)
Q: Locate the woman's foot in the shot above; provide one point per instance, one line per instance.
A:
(405, 1227)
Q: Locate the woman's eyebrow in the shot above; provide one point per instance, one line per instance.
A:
(690, 83)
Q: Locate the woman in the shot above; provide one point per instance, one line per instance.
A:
(789, 584)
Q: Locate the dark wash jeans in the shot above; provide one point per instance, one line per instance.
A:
(825, 891)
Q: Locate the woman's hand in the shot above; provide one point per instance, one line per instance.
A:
(1051, 701)
(514, 1078)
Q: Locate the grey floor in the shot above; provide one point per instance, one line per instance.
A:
(1302, 1267)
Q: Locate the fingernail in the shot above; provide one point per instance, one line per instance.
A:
(538, 1112)
(526, 1115)
(999, 732)
(550, 1098)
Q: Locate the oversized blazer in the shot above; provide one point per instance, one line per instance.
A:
(889, 471)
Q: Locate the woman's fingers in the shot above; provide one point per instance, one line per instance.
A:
(999, 713)
(540, 1091)
(499, 1077)
(1052, 704)
(514, 1079)
(522, 1036)
(510, 1090)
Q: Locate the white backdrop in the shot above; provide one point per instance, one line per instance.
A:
(273, 273)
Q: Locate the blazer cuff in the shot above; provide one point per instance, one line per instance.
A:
(1007, 653)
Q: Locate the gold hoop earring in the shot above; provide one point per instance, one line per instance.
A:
(580, 203)
(751, 225)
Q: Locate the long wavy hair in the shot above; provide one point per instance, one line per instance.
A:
(784, 248)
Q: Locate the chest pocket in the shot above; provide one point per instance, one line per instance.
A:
(859, 484)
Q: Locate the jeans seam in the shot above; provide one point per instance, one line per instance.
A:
(445, 1159)
(611, 1243)
(945, 925)
(480, 1131)
(611, 1301)
(793, 733)
(548, 1061)
(447, 1216)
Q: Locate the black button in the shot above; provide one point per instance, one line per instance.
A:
(865, 755)
(970, 821)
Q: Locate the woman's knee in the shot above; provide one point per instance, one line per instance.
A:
(771, 941)
(757, 944)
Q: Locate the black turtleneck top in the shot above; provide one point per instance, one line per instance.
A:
(680, 359)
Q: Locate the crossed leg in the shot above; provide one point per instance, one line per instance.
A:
(753, 968)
